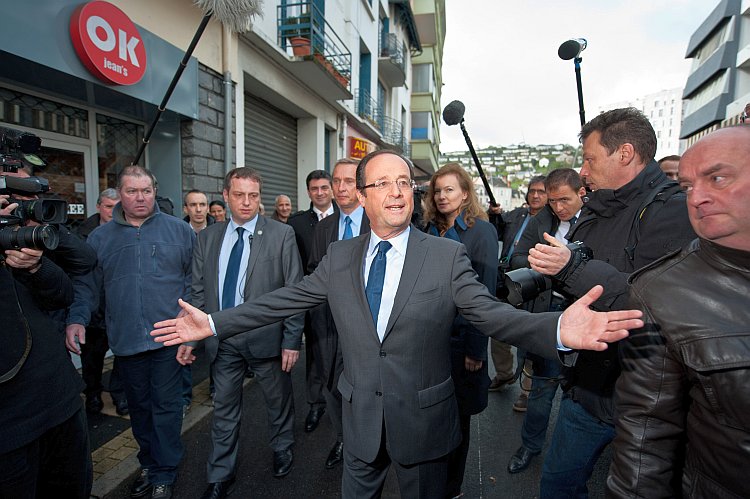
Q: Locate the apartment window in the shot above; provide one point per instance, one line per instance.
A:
(712, 44)
(421, 126)
(422, 79)
(708, 92)
(661, 113)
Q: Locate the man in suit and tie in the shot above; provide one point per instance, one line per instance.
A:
(349, 221)
(234, 262)
(320, 191)
(394, 294)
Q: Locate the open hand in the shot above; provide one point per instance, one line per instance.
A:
(193, 326)
(583, 329)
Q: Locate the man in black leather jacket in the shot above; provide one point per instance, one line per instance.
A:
(627, 226)
(683, 404)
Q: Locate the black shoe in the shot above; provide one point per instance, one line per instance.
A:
(121, 406)
(162, 491)
(336, 455)
(282, 462)
(218, 490)
(313, 418)
(94, 404)
(521, 460)
(142, 485)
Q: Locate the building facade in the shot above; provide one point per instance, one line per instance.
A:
(310, 82)
(664, 111)
(718, 87)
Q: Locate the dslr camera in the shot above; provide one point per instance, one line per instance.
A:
(15, 148)
(525, 284)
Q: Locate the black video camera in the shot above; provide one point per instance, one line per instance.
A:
(15, 148)
(525, 284)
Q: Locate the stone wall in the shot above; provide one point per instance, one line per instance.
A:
(203, 139)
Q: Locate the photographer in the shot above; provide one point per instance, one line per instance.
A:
(565, 191)
(633, 216)
(44, 447)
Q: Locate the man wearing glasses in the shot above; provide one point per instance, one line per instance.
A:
(394, 293)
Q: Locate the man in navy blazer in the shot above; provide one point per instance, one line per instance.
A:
(398, 402)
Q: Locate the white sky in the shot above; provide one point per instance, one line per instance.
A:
(501, 61)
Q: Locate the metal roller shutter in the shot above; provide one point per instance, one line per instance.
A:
(271, 148)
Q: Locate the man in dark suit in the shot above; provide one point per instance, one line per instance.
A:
(320, 190)
(235, 262)
(394, 294)
(349, 221)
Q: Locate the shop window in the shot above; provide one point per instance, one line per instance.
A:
(117, 142)
(17, 108)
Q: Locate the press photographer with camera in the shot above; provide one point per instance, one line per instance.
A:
(44, 446)
(633, 216)
(535, 293)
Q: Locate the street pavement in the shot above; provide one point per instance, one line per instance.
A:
(495, 436)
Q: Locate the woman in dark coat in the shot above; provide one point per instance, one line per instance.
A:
(452, 210)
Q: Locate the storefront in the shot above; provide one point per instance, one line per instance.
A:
(91, 107)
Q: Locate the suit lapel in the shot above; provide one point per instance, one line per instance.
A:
(358, 280)
(255, 249)
(416, 251)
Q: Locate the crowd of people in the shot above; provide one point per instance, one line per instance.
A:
(638, 323)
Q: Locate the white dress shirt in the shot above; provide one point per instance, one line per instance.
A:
(230, 237)
(394, 266)
(322, 214)
(356, 217)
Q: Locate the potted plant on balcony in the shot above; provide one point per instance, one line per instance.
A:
(299, 35)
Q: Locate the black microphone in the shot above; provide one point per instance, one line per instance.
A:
(572, 48)
(453, 114)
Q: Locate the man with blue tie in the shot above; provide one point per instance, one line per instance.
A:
(235, 262)
(350, 221)
(394, 293)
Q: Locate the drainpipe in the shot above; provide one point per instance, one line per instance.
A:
(226, 39)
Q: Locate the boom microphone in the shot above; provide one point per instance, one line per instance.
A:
(572, 48)
(453, 114)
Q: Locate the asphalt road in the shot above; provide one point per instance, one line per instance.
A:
(495, 436)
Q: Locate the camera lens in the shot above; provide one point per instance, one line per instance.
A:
(42, 237)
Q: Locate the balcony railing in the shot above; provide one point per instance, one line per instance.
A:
(391, 48)
(368, 108)
(391, 129)
(304, 31)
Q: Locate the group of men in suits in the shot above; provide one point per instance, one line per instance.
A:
(393, 293)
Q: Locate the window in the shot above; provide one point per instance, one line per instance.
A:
(422, 79)
(708, 92)
(712, 44)
(421, 126)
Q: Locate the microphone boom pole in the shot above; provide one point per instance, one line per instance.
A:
(581, 111)
(478, 165)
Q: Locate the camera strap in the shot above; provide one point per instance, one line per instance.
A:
(16, 342)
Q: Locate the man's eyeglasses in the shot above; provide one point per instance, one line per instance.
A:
(382, 185)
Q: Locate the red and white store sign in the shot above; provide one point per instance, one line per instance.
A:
(108, 43)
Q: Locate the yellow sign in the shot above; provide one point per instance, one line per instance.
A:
(359, 148)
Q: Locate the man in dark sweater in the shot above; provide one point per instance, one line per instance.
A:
(44, 446)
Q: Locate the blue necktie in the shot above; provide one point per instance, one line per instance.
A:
(233, 271)
(347, 228)
(375, 278)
